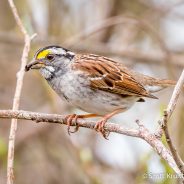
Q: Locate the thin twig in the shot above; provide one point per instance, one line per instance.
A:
(142, 132)
(172, 103)
(174, 152)
(16, 100)
(177, 90)
(167, 114)
(164, 122)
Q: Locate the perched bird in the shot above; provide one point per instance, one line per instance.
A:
(95, 84)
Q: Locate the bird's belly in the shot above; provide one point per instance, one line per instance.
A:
(78, 93)
(102, 103)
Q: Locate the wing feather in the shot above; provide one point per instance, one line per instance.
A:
(108, 75)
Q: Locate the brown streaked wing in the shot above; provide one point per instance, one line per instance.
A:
(107, 75)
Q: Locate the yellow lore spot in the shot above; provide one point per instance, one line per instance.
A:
(43, 54)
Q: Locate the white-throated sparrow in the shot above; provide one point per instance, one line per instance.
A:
(95, 84)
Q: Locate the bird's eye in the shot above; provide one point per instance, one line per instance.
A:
(50, 57)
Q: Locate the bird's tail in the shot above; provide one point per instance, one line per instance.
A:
(152, 84)
(158, 84)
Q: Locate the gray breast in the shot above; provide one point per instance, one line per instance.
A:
(75, 88)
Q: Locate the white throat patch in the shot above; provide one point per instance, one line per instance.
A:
(47, 72)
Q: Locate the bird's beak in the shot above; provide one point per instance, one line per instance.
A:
(35, 64)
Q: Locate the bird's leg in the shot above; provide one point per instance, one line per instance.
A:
(73, 118)
(100, 125)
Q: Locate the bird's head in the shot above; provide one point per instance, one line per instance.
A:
(50, 59)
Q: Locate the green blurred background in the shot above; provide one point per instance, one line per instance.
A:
(147, 36)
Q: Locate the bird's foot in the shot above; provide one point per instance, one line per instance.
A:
(72, 118)
(100, 127)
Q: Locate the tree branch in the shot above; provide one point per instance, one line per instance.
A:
(172, 104)
(174, 152)
(16, 100)
(142, 132)
(164, 122)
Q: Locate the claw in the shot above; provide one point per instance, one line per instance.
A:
(69, 119)
(73, 118)
(99, 127)
(76, 124)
